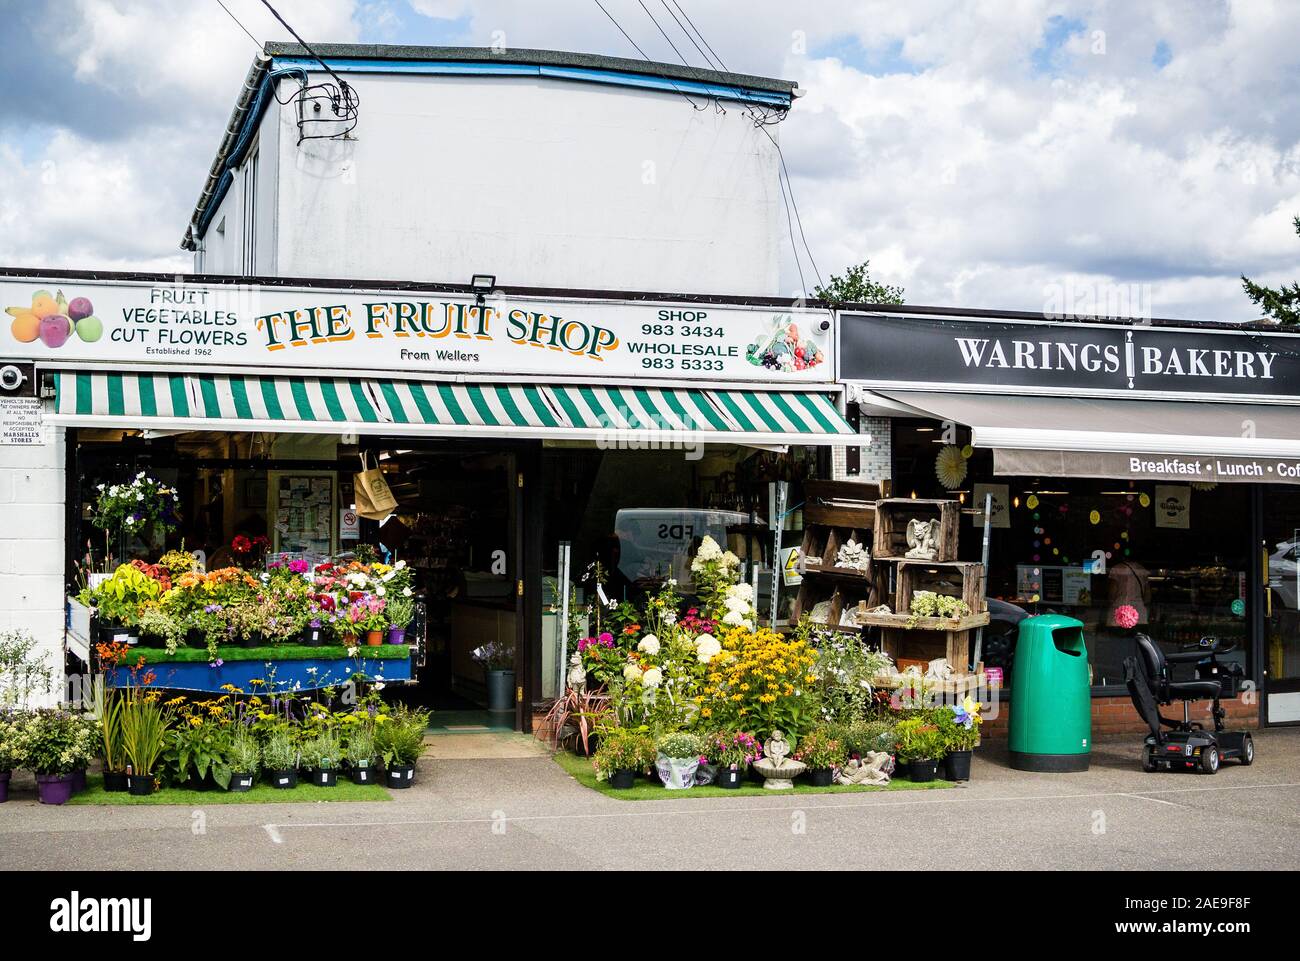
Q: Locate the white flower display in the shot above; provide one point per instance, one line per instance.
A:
(709, 551)
(730, 560)
(632, 674)
(652, 677)
(648, 645)
(707, 647)
(733, 619)
(744, 591)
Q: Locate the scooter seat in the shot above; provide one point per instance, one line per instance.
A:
(1194, 690)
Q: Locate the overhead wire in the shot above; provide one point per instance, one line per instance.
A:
(637, 47)
(701, 36)
(688, 35)
(232, 16)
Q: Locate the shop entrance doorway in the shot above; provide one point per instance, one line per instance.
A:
(456, 525)
(1281, 612)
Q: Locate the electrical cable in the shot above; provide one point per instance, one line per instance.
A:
(663, 32)
(803, 286)
(688, 35)
(629, 39)
(343, 84)
(241, 26)
(781, 154)
(701, 36)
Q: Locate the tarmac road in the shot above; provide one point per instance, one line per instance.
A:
(526, 813)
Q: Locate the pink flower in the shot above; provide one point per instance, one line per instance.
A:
(1126, 616)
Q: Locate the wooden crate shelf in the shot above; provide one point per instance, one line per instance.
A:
(905, 622)
(960, 579)
(893, 515)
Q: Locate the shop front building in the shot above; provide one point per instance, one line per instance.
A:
(589, 442)
(1141, 476)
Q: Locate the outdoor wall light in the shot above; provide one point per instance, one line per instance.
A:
(483, 281)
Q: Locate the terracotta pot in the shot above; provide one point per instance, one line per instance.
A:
(374, 638)
(348, 640)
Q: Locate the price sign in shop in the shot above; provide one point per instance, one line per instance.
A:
(20, 422)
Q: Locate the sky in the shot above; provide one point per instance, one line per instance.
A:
(1021, 154)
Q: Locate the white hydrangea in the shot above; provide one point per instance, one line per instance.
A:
(709, 550)
(632, 674)
(743, 591)
(733, 619)
(730, 560)
(707, 648)
(653, 677)
(648, 645)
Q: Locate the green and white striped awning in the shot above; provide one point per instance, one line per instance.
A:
(350, 405)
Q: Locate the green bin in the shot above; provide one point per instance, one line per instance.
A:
(1051, 716)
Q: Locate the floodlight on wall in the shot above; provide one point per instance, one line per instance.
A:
(483, 281)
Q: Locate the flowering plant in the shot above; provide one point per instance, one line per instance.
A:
(601, 657)
(842, 673)
(249, 550)
(680, 744)
(760, 681)
(1126, 616)
(136, 507)
(623, 749)
(495, 656)
(732, 749)
(713, 571)
(959, 724)
(52, 741)
(819, 749)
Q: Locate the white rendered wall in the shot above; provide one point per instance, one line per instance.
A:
(31, 546)
(541, 182)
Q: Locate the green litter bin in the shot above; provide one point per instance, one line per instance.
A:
(1051, 716)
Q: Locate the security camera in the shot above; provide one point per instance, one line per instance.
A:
(824, 326)
(11, 377)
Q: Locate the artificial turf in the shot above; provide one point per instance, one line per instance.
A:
(260, 794)
(270, 652)
(580, 769)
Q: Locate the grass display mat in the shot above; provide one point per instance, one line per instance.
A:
(260, 794)
(271, 652)
(644, 790)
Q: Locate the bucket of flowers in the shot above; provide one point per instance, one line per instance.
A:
(677, 758)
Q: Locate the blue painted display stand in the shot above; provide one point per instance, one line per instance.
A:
(307, 674)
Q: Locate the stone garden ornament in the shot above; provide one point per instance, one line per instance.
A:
(922, 539)
(777, 769)
(874, 768)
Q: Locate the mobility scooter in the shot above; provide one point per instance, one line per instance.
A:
(1186, 746)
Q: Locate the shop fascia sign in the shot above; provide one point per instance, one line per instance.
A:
(1051, 357)
(129, 323)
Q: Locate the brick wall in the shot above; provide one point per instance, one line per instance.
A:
(32, 545)
(1116, 715)
(876, 459)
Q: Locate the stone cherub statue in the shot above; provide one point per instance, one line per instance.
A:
(922, 539)
(777, 769)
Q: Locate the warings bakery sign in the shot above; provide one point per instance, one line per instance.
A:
(996, 355)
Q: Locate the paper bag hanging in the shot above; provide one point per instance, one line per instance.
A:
(374, 499)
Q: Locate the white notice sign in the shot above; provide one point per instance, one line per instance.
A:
(20, 422)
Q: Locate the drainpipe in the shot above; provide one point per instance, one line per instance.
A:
(251, 83)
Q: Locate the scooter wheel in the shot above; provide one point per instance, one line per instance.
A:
(1210, 760)
(1149, 761)
(1248, 752)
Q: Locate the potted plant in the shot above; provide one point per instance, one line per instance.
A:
(53, 746)
(360, 755)
(370, 620)
(11, 755)
(623, 753)
(248, 621)
(142, 506)
(677, 758)
(400, 742)
(498, 660)
(732, 752)
(921, 743)
(144, 724)
(198, 749)
(400, 612)
(322, 754)
(117, 603)
(280, 760)
(960, 725)
(159, 628)
(244, 760)
(823, 753)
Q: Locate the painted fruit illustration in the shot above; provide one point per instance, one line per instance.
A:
(52, 319)
(55, 330)
(79, 307)
(90, 329)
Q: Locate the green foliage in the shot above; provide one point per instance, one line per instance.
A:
(680, 744)
(196, 748)
(360, 748)
(844, 668)
(1280, 303)
(400, 739)
(145, 721)
(400, 611)
(623, 749)
(862, 735)
(919, 738)
(930, 604)
(51, 741)
(820, 749)
(156, 622)
(11, 747)
(279, 753)
(244, 755)
(23, 670)
(857, 287)
(322, 752)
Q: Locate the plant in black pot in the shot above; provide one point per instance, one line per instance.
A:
(498, 661)
(198, 748)
(322, 755)
(360, 755)
(110, 736)
(823, 753)
(731, 752)
(960, 725)
(161, 628)
(145, 721)
(622, 755)
(400, 742)
(922, 743)
(244, 759)
(280, 760)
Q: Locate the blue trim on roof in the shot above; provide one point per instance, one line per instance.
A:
(480, 68)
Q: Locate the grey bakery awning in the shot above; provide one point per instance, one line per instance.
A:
(1104, 437)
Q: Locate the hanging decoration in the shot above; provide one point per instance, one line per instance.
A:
(950, 466)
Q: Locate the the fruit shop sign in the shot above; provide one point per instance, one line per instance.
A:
(412, 333)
